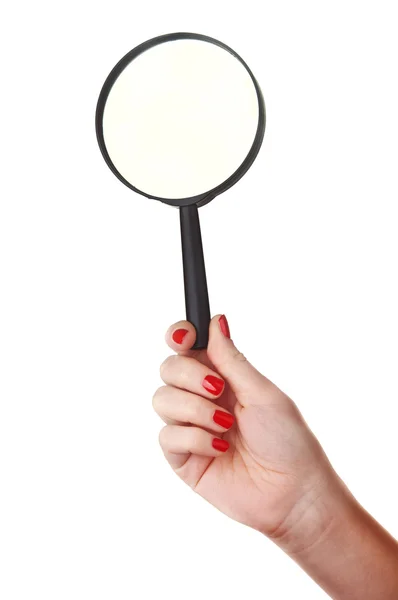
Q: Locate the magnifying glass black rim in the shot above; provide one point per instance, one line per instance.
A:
(200, 199)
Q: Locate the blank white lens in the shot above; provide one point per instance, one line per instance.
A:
(180, 119)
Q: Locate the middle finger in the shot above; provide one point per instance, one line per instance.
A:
(188, 374)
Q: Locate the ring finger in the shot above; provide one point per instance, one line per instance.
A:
(176, 407)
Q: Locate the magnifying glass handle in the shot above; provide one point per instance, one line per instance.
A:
(196, 295)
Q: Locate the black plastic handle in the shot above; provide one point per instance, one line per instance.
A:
(196, 295)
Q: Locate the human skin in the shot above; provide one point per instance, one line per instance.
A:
(269, 472)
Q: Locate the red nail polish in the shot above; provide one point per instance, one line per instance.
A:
(224, 419)
(212, 384)
(224, 326)
(178, 335)
(221, 445)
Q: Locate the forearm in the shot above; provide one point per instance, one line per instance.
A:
(341, 546)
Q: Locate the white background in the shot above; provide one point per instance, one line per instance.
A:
(301, 256)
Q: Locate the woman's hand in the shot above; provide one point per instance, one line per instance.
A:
(235, 438)
(243, 445)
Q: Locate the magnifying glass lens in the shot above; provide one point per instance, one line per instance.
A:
(180, 119)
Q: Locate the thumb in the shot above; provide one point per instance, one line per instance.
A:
(249, 385)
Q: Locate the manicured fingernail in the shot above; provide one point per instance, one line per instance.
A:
(224, 419)
(221, 445)
(224, 326)
(178, 335)
(212, 384)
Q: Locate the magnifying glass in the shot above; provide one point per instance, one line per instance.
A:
(180, 119)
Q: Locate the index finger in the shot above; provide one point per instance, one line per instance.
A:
(180, 337)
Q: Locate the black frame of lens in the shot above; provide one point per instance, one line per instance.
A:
(200, 199)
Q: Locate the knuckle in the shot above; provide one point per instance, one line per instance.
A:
(158, 396)
(197, 437)
(164, 367)
(162, 436)
(237, 355)
(196, 410)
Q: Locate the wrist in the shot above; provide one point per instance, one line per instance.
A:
(322, 509)
(335, 540)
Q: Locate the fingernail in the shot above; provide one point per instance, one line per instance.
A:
(212, 384)
(178, 335)
(221, 445)
(224, 326)
(224, 419)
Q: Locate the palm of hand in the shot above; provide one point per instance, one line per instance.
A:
(270, 465)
